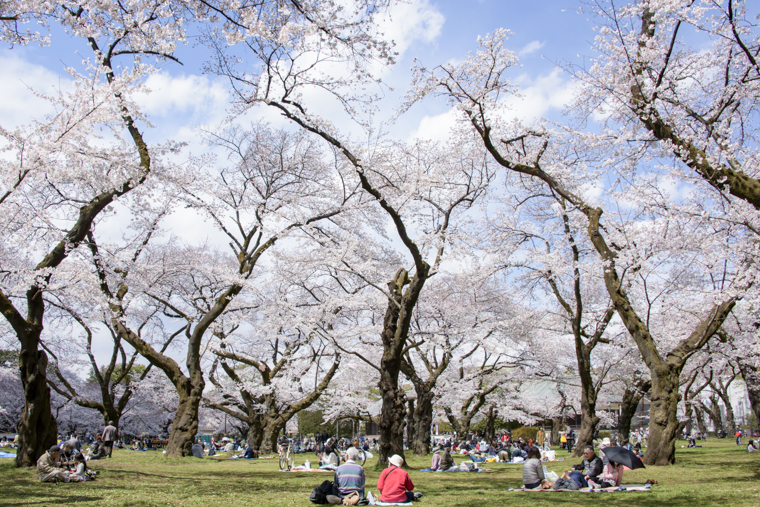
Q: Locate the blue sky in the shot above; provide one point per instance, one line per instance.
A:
(545, 32)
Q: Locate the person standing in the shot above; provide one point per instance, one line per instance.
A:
(570, 435)
(541, 437)
(110, 433)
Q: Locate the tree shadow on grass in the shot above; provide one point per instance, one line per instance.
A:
(52, 499)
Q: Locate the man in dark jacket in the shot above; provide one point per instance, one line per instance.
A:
(591, 466)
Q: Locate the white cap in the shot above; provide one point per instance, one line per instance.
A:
(396, 460)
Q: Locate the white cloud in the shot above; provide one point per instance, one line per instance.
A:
(536, 99)
(436, 128)
(531, 47)
(412, 21)
(539, 96)
(18, 79)
(187, 94)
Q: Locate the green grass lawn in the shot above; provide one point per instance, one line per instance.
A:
(719, 474)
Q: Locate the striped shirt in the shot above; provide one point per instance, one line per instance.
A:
(349, 477)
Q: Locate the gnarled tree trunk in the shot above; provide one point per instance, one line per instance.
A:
(632, 396)
(37, 428)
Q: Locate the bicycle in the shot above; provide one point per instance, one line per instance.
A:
(287, 457)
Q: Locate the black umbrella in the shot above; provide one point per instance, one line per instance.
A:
(624, 457)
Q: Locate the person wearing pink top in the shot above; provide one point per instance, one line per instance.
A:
(611, 476)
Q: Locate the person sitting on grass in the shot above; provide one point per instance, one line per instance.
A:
(329, 457)
(48, 467)
(394, 484)
(446, 460)
(197, 449)
(590, 468)
(80, 470)
(98, 450)
(435, 464)
(349, 477)
(612, 476)
(751, 446)
(533, 470)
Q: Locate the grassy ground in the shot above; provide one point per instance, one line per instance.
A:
(719, 474)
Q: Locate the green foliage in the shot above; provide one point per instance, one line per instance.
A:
(498, 424)
(445, 427)
(133, 374)
(8, 357)
(311, 422)
(525, 432)
(605, 434)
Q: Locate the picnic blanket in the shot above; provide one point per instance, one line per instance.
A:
(386, 503)
(621, 489)
(450, 470)
(297, 469)
(4, 454)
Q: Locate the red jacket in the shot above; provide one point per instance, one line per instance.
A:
(393, 484)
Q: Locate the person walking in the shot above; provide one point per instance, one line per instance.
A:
(110, 434)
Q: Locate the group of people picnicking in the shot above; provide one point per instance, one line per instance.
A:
(65, 462)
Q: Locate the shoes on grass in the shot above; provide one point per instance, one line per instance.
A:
(333, 500)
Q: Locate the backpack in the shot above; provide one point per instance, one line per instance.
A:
(319, 494)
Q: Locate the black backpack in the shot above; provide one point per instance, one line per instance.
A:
(319, 494)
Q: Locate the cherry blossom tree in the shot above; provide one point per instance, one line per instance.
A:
(270, 378)
(686, 73)
(60, 176)
(637, 278)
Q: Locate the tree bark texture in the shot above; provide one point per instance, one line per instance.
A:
(632, 396)
(185, 424)
(751, 377)
(423, 421)
(37, 428)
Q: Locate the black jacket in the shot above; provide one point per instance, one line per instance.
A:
(590, 468)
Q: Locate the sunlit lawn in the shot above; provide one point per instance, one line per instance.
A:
(719, 474)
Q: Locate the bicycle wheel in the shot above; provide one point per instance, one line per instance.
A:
(362, 457)
(290, 459)
(283, 462)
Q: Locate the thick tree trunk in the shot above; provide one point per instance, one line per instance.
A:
(713, 412)
(700, 416)
(589, 420)
(751, 377)
(632, 396)
(37, 428)
(423, 420)
(269, 438)
(663, 417)
(586, 433)
(395, 330)
(255, 435)
(185, 424)
(490, 425)
(557, 423)
(411, 426)
(392, 413)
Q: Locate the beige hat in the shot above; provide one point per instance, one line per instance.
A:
(396, 460)
(605, 441)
